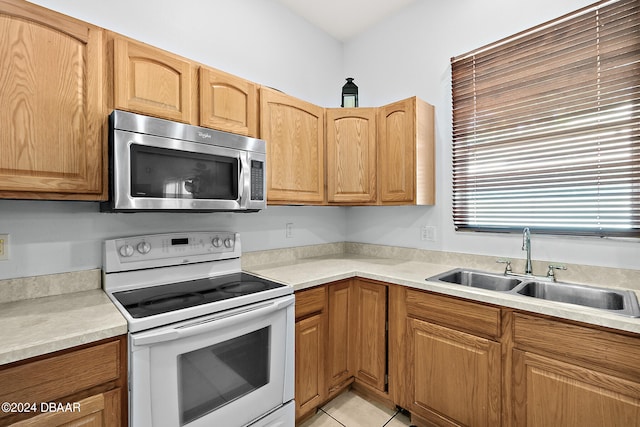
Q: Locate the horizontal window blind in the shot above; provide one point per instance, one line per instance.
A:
(546, 128)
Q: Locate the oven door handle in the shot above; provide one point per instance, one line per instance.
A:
(211, 323)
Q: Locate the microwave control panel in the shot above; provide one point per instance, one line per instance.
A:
(257, 180)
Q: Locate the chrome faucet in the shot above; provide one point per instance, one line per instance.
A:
(526, 246)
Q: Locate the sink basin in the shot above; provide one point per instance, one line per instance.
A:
(477, 279)
(618, 301)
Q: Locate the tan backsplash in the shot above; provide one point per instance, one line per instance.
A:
(50, 284)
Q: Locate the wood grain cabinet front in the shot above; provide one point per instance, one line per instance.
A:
(453, 367)
(310, 330)
(406, 153)
(228, 103)
(51, 96)
(151, 81)
(86, 385)
(351, 155)
(294, 131)
(570, 375)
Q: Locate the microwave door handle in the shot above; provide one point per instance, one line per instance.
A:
(213, 323)
(245, 173)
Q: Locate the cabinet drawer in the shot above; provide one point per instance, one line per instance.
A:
(59, 376)
(615, 352)
(310, 301)
(458, 314)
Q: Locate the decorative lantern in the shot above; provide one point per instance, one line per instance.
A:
(349, 94)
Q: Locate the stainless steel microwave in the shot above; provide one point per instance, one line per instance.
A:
(159, 165)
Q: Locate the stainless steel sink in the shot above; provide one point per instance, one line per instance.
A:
(618, 301)
(477, 279)
(612, 300)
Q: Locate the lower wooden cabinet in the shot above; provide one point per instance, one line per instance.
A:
(339, 369)
(86, 385)
(453, 372)
(570, 375)
(340, 338)
(370, 340)
(310, 350)
(456, 362)
(309, 364)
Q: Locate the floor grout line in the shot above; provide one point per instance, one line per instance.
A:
(332, 417)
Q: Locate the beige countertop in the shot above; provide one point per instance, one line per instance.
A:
(36, 326)
(308, 272)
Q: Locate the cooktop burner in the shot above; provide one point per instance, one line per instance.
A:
(175, 296)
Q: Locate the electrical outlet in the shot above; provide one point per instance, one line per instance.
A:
(288, 230)
(428, 233)
(4, 246)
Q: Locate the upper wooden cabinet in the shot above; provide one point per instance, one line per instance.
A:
(51, 115)
(151, 81)
(294, 131)
(406, 153)
(154, 82)
(351, 155)
(228, 102)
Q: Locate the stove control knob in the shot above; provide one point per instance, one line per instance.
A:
(144, 247)
(126, 250)
(228, 243)
(216, 242)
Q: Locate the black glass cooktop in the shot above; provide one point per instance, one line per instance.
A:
(175, 296)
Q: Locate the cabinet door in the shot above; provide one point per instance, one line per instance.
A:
(51, 114)
(150, 81)
(396, 145)
(309, 364)
(549, 392)
(370, 322)
(351, 155)
(228, 103)
(338, 340)
(406, 153)
(454, 377)
(102, 410)
(294, 131)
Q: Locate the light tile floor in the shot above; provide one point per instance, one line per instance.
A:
(351, 410)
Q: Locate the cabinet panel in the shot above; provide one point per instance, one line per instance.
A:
(150, 81)
(59, 376)
(454, 377)
(310, 301)
(51, 115)
(472, 317)
(351, 155)
(339, 341)
(309, 384)
(406, 153)
(397, 152)
(370, 345)
(549, 392)
(228, 103)
(610, 352)
(294, 131)
(102, 410)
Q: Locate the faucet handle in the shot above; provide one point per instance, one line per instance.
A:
(550, 272)
(507, 268)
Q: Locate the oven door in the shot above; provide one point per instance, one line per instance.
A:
(227, 369)
(152, 173)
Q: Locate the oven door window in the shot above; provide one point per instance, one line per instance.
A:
(211, 377)
(175, 174)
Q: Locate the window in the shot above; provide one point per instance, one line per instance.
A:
(546, 129)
